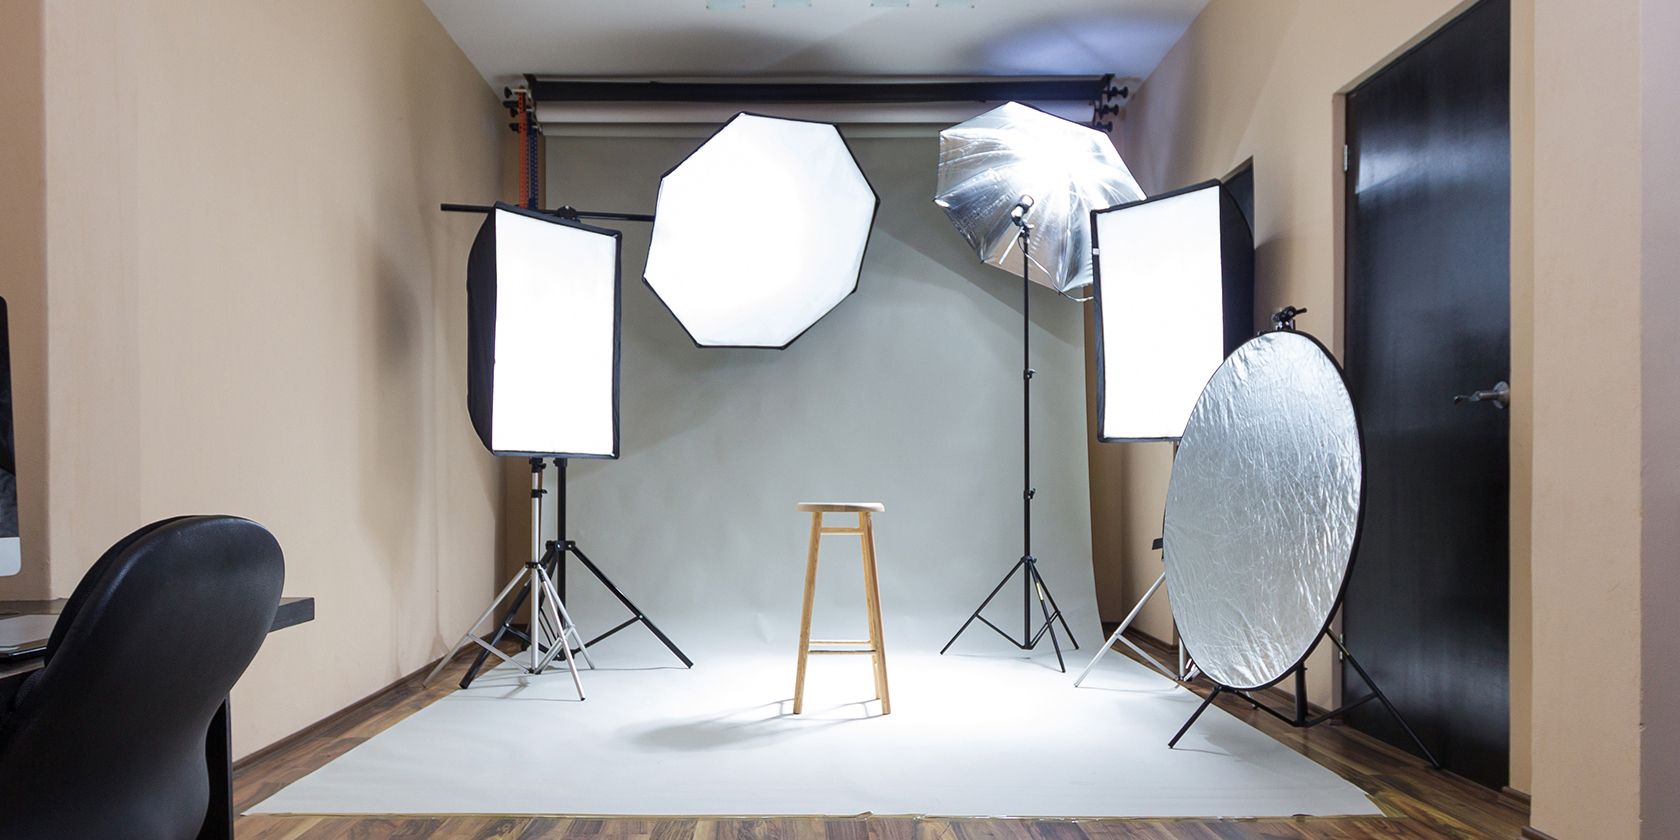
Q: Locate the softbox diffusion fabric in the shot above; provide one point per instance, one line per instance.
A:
(543, 335)
(1174, 293)
(760, 232)
(1263, 510)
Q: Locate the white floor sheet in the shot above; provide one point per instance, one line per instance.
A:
(970, 735)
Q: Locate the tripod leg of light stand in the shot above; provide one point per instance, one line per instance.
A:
(509, 618)
(983, 604)
(1044, 590)
(1049, 620)
(556, 614)
(472, 632)
(1383, 698)
(1119, 636)
(635, 611)
(1198, 713)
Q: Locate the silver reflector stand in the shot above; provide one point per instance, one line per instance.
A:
(1262, 521)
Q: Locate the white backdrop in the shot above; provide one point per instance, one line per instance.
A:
(908, 393)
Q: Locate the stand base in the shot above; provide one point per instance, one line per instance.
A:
(551, 634)
(553, 556)
(1119, 636)
(1031, 582)
(1300, 719)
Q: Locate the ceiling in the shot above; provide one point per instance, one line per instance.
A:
(772, 38)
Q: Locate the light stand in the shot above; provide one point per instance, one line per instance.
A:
(1119, 636)
(553, 563)
(1300, 719)
(550, 624)
(1031, 581)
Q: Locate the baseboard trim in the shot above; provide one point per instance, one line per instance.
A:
(1529, 832)
(1515, 796)
(330, 720)
(1160, 646)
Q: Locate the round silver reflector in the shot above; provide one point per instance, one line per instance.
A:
(1263, 509)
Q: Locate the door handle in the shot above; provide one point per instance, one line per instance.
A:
(1499, 395)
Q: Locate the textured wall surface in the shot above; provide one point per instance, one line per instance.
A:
(254, 307)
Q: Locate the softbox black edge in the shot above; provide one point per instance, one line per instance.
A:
(481, 329)
(1236, 293)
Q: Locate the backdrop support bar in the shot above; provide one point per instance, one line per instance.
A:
(563, 212)
(1092, 89)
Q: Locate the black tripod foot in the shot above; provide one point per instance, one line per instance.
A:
(1033, 586)
(1198, 713)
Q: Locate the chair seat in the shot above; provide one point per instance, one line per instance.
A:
(840, 507)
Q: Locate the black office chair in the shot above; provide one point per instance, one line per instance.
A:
(108, 739)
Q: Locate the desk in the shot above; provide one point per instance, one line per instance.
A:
(218, 743)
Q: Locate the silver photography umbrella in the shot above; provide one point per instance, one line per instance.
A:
(988, 163)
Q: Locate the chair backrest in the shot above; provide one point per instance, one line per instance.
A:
(108, 739)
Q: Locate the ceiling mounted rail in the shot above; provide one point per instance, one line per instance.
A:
(576, 104)
(1098, 90)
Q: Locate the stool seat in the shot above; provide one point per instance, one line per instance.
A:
(840, 507)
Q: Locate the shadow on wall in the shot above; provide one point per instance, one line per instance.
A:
(395, 428)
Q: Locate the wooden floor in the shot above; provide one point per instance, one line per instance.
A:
(1421, 803)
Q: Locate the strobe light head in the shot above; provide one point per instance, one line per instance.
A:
(760, 232)
(1018, 214)
(543, 329)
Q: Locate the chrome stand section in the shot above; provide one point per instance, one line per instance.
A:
(1119, 636)
(551, 631)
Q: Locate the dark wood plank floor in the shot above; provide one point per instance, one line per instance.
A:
(1419, 802)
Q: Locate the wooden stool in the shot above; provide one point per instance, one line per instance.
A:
(871, 593)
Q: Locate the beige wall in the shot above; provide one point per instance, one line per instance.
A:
(1248, 80)
(255, 307)
(1606, 362)
(1586, 531)
(1660, 424)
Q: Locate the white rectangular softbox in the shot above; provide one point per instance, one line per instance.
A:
(543, 335)
(1174, 285)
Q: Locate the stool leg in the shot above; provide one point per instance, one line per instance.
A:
(872, 596)
(805, 619)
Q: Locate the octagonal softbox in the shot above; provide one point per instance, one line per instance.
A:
(543, 335)
(760, 232)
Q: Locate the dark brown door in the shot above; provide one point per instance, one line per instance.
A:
(1428, 317)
